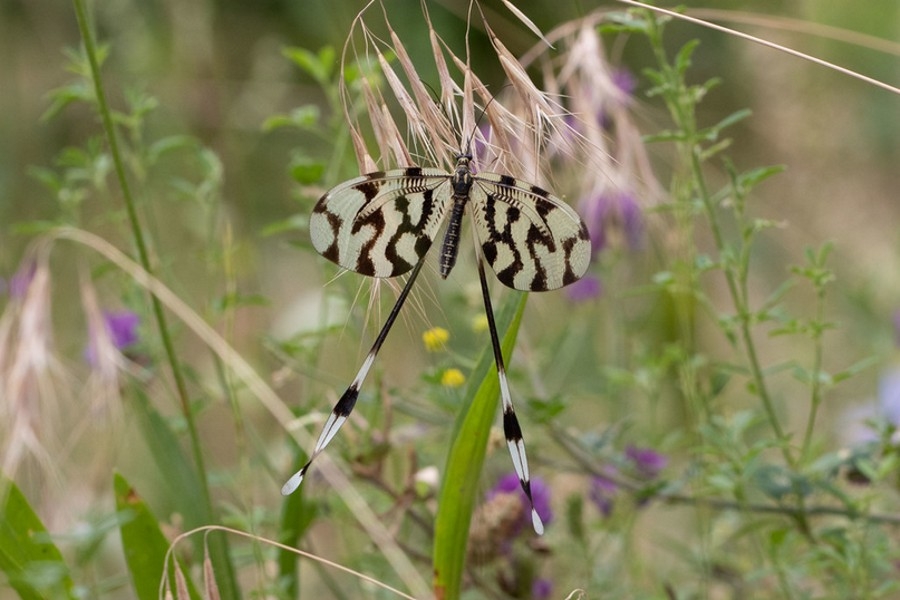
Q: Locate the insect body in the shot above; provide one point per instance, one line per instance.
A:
(383, 224)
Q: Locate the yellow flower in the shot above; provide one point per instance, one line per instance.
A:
(480, 323)
(435, 339)
(452, 378)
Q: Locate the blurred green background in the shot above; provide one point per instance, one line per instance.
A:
(218, 73)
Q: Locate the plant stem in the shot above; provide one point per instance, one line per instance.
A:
(800, 512)
(140, 245)
(816, 384)
(144, 259)
(681, 103)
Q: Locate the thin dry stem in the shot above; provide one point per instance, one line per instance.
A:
(766, 43)
(208, 528)
(357, 506)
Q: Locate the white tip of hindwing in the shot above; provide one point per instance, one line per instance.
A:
(536, 522)
(293, 483)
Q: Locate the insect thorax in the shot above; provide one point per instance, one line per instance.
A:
(462, 177)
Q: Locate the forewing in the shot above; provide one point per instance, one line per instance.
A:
(382, 223)
(531, 239)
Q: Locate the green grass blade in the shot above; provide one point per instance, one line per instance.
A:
(297, 514)
(466, 457)
(178, 472)
(144, 543)
(185, 487)
(33, 564)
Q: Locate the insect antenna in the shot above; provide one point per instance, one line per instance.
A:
(468, 150)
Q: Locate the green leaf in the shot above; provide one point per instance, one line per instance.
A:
(752, 178)
(33, 564)
(735, 117)
(777, 537)
(665, 135)
(168, 144)
(466, 457)
(715, 149)
(303, 117)
(297, 514)
(318, 66)
(178, 473)
(144, 544)
(856, 368)
(306, 171)
(46, 177)
(775, 297)
(625, 22)
(545, 410)
(683, 58)
(184, 486)
(60, 98)
(778, 482)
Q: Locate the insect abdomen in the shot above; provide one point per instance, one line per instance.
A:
(450, 247)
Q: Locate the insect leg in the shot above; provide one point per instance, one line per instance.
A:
(511, 428)
(344, 406)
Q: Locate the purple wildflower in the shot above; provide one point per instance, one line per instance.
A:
(586, 288)
(122, 329)
(507, 484)
(632, 220)
(896, 321)
(19, 283)
(603, 491)
(624, 81)
(648, 462)
(540, 493)
(541, 589)
(862, 424)
(594, 211)
(610, 210)
(889, 397)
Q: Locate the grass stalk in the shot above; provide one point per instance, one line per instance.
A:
(144, 259)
